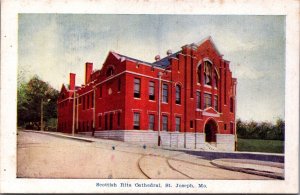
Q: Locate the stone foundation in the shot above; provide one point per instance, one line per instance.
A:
(225, 142)
(168, 139)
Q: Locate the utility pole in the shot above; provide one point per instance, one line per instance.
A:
(159, 105)
(235, 134)
(42, 117)
(73, 121)
(77, 105)
(42, 113)
(94, 111)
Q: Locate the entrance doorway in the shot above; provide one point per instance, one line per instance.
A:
(211, 129)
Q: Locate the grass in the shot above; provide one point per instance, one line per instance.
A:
(259, 145)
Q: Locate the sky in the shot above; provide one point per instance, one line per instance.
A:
(53, 45)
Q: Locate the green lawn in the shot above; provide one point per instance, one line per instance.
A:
(258, 145)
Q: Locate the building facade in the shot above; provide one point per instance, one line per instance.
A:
(186, 99)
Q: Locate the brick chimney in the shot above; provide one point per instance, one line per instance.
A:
(72, 81)
(88, 72)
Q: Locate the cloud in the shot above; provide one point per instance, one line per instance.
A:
(230, 43)
(247, 72)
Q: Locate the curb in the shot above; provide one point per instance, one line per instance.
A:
(247, 170)
(60, 135)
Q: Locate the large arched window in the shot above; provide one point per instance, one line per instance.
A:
(207, 73)
(178, 94)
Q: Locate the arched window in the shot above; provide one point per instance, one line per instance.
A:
(110, 71)
(178, 94)
(207, 73)
(199, 74)
(231, 105)
(216, 79)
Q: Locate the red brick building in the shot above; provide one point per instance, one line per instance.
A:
(187, 98)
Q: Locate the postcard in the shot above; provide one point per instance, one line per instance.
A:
(149, 96)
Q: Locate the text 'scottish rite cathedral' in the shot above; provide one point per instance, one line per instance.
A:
(186, 99)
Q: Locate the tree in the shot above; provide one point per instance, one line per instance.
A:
(280, 128)
(261, 130)
(30, 96)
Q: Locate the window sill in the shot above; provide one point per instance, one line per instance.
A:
(198, 109)
(152, 101)
(137, 98)
(177, 104)
(164, 102)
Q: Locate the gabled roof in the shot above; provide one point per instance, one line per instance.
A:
(64, 86)
(208, 39)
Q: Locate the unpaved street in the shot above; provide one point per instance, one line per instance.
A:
(47, 156)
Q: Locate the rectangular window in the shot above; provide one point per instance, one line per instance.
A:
(136, 120)
(119, 84)
(100, 91)
(100, 121)
(192, 81)
(231, 104)
(151, 91)
(137, 88)
(83, 102)
(178, 94)
(87, 101)
(191, 124)
(177, 124)
(207, 100)
(106, 121)
(119, 119)
(225, 89)
(92, 97)
(165, 93)
(111, 121)
(231, 127)
(225, 127)
(216, 103)
(88, 125)
(79, 100)
(165, 123)
(198, 100)
(151, 122)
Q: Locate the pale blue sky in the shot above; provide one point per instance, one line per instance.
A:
(52, 45)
